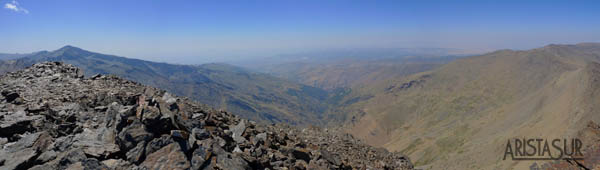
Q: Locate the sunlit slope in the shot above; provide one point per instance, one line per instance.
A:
(460, 115)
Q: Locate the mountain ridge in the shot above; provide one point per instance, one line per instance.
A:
(439, 116)
(255, 96)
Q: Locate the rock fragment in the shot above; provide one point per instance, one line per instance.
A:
(168, 157)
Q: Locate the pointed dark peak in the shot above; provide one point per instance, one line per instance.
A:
(69, 47)
(71, 51)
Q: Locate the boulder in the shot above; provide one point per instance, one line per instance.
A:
(237, 131)
(179, 134)
(300, 153)
(19, 154)
(17, 123)
(157, 143)
(47, 156)
(231, 161)
(332, 158)
(259, 139)
(200, 157)
(63, 160)
(168, 157)
(132, 135)
(88, 164)
(197, 134)
(17, 159)
(118, 164)
(136, 155)
(97, 142)
(10, 96)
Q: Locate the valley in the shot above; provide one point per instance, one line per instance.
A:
(256, 96)
(437, 110)
(299, 85)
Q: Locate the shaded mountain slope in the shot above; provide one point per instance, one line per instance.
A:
(461, 114)
(252, 95)
(6, 56)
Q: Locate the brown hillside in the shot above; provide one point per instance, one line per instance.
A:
(466, 110)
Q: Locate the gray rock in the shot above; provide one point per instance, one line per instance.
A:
(230, 161)
(17, 155)
(47, 156)
(17, 123)
(158, 143)
(132, 135)
(332, 158)
(259, 139)
(88, 164)
(238, 130)
(198, 134)
(3, 141)
(118, 164)
(10, 96)
(179, 134)
(25, 142)
(300, 153)
(63, 161)
(151, 116)
(136, 154)
(169, 99)
(12, 160)
(71, 157)
(114, 119)
(300, 165)
(200, 156)
(220, 141)
(237, 150)
(168, 157)
(97, 142)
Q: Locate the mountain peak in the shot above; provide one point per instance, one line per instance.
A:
(69, 47)
(72, 51)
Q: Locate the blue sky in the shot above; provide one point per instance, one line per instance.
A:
(180, 30)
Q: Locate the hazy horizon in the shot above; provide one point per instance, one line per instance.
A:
(224, 31)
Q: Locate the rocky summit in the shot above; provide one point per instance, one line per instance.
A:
(51, 117)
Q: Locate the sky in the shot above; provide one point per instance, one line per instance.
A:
(196, 31)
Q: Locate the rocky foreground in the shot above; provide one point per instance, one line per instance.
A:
(51, 117)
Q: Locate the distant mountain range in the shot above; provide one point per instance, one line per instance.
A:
(251, 95)
(354, 72)
(328, 56)
(6, 56)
